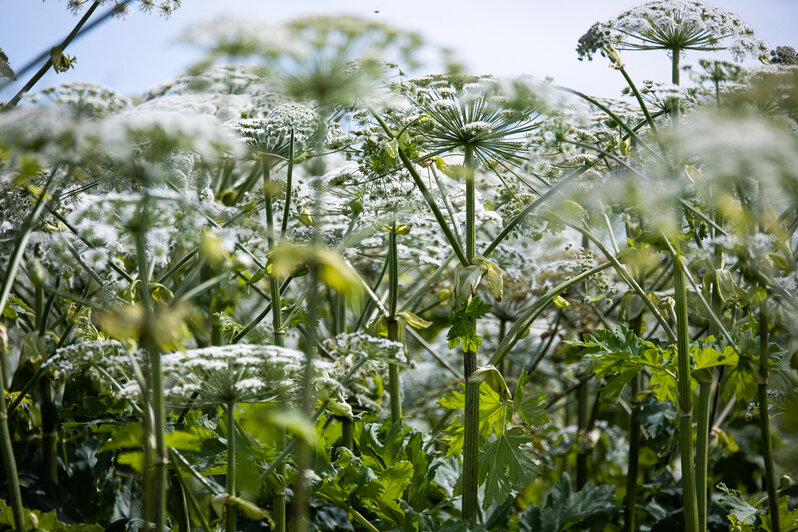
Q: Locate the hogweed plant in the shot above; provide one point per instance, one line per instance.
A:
(299, 279)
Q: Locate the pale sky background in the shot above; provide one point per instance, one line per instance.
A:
(501, 37)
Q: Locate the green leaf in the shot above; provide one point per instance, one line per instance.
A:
(531, 410)
(738, 507)
(709, 357)
(494, 414)
(493, 274)
(493, 377)
(183, 441)
(122, 437)
(506, 465)
(221, 502)
(564, 509)
(134, 459)
(413, 320)
(48, 522)
(462, 319)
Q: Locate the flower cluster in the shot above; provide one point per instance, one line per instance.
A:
(674, 25)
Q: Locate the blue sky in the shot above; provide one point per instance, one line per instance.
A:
(502, 37)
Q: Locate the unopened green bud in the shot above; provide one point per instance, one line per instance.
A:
(36, 272)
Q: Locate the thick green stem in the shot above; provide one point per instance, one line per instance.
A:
(705, 390)
(634, 458)
(685, 398)
(231, 512)
(582, 413)
(504, 367)
(288, 179)
(764, 419)
(471, 444)
(394, 386)
(303, 455)
(49, 415)
(347, 433)
(675, 80)
(49, 436)
(277, 322)
(154, 415)
(471, 414)
(633, 463)
(471, 225)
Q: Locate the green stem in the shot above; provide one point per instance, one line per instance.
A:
(764, 418)
(394, 386)
(187, 492)
(154, 415)
(685, 398)
(6, 448)
(471, 444)
(231, 512)
(49, 436)
(705, 389)
(628, 279)
(582, 455)
(447, 232)
(303, 455)
(471, 414)
(277, 327)
(471, 227)
(536, 309)
(46, 66)
(504, 367)
(288, 179)
(634, 442)
(675, 80)
(634, 458)
(506, 230)
(347, 433)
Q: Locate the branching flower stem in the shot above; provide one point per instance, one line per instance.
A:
(627, 278)
(447, 231)
(76, 31)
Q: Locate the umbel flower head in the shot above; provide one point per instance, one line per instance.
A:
(229, 374)
(674, 25)
(464, 111)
